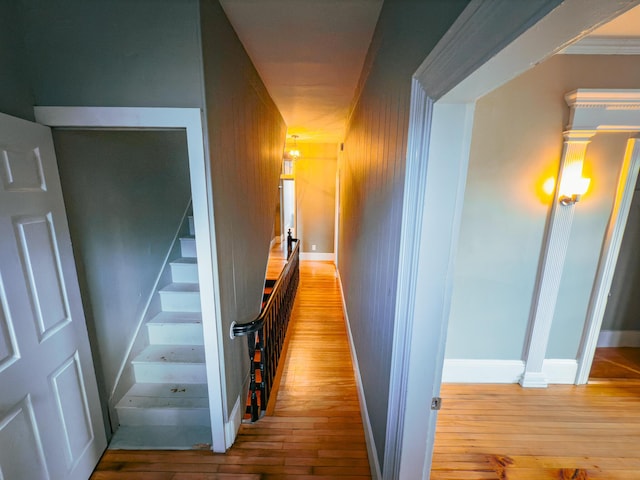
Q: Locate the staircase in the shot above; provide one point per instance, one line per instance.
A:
(168, 405)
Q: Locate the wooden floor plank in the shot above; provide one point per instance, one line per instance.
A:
(505, 432)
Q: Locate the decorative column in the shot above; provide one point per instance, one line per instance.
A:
(556, 243)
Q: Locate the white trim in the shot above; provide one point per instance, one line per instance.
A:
(554, 252)
(232, 426)
(410, 234)
(619, 338)
(191, 120)
(568, 22)
(317, 256)
(461, 53)
(560, 371)
(602, 45)
(555, 371)
(374, 465)
(482, 371)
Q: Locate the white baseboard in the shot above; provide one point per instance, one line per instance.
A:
(374, 465)
(274, 240)
(482, 371)
(558, 371)
(619, 338)
(232, 426)
(321, 257)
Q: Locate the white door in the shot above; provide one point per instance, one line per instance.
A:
(289, 206)
(50, 419)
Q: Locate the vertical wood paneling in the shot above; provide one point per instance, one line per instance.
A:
(246, 139)
(373, 167)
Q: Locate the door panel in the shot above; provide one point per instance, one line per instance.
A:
(50, 417)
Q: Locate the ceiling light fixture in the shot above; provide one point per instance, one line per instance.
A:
(294, 153)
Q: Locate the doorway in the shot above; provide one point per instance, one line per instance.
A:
(188, 120)
(618, 350)
(126, 193)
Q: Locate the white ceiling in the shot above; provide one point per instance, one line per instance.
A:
(626, 25)
(620, 36)
(309, 54)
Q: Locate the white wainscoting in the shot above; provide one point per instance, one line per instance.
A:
(619, 338)
(557, 371)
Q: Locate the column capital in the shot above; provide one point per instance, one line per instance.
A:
(578, 135)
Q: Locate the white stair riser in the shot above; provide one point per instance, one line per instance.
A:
(192, 228)
(163, 416)
(175, 334)
(169, 372)
(184, 272)
(180, 301)
(188, 247)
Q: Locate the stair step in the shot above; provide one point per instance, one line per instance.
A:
(192, 228)
(170, 363)
(184, 270)
(188, 437)
(180, 297)
(165, 404)
(188, 247)
(176, 328)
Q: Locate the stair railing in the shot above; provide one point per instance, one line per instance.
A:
(266, 334)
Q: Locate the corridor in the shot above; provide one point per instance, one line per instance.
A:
(314, 430)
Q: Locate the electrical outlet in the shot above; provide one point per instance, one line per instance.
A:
(313, 248)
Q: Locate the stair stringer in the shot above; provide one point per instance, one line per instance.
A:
(126, 377)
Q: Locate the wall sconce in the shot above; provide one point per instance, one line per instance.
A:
(572, 188)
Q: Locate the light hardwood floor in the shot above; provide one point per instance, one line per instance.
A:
(314, 430)
(505, 432)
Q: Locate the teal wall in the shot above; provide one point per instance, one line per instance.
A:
(16, 97)
(114, 52)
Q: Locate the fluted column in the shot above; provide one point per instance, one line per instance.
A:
(553, 259)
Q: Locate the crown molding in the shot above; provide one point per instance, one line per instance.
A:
(604, 110)
(605, 46)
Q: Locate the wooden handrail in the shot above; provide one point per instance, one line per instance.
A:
(266, 333)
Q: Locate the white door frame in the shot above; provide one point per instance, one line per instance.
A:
(601, 110)
(189, 119)
(483, 49)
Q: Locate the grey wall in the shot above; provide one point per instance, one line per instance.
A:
(125, 194)
(114, 52)
(623, 307)
(15, 93)
(372, 178)
(516, 145)
(246, 140)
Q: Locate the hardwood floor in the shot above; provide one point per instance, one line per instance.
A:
(505, 432)
(618, 362)
(314, 430)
